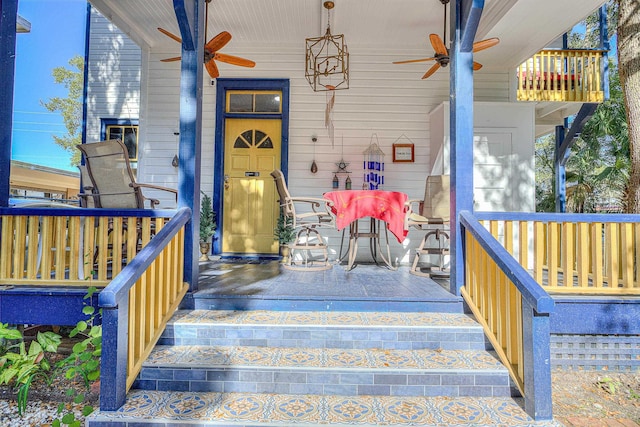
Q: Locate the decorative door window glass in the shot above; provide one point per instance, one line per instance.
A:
(254, 102)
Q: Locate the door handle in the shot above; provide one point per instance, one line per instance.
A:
(226, 182)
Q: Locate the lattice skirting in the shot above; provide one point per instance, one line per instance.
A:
(596, 352)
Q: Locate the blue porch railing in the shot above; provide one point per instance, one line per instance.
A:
(136, 307)
(513, 310)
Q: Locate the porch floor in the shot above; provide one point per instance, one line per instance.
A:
(267, 285)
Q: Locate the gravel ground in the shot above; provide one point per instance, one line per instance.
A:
(596, 394)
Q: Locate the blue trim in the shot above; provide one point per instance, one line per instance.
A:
(470, 13)
(187, 22)
(104, 123)
(583, 116)
(189, 150)
(89, 212)
(585, 315)
(532, 293)
(8, 16)
(85, 82)
(44, 305)
(560, 173)
(604, 43)
(224, 85)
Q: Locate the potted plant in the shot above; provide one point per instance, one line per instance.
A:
(207, 226)
(284, 233)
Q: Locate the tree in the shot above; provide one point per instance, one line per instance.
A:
(629, 67)
(70, 107)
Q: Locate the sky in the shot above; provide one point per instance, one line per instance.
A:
(57, 35)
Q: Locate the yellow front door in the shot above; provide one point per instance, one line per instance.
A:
(250, 211)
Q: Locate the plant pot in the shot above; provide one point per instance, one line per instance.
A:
(284, 253)
(205, 248)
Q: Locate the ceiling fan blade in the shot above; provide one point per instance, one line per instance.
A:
(438, 44)
(218, 42)
(234, 60)
(212, 68)
(476, 66)
(414, 60)
(431, 70)
(176, 58)
(485, 44)
(167, 33)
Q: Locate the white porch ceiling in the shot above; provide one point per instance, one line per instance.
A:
(402, 26)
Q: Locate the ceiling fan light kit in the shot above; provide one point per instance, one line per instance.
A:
(327, 59)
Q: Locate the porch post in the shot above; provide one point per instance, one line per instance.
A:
(466, 18)
(560, 173)
(8, 16)
(190, 16)
(537, 364)
(113, 366)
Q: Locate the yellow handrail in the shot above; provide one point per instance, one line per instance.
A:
(573, 75)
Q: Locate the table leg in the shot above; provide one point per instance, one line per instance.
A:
(375, 225)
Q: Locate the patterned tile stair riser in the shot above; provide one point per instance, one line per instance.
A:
(263, 368)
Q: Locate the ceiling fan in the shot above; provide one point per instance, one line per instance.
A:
(211, 48)
(441, 54)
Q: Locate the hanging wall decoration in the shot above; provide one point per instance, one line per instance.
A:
(328, 116)
(342, 169)
(327, 59)
(403, 150)
(373, 165)
(314, 165)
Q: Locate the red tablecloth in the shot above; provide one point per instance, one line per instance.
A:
(387, 206)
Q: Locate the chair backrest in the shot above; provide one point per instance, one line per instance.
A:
(110, 172)
(286, 204)
(436, 198)
(86, 188)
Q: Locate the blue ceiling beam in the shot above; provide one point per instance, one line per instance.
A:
(186, 22)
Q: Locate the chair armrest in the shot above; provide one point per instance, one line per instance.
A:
(154, 187)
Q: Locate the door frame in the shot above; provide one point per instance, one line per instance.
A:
(223, 86)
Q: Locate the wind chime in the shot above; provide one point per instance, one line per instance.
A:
(373, 166)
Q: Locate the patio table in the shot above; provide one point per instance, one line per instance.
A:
(379, 205)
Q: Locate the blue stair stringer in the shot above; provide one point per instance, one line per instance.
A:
(265, 368)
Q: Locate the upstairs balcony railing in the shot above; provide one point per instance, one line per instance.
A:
(574, 75)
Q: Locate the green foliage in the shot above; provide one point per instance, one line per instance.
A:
(284, 231)
(84, 361)
(70, 107)
(207, 218)
(19, 366)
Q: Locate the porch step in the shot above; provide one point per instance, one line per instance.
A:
(356, 330)
(269, 286)
(167, 409)
(321, 371)
(266, 368)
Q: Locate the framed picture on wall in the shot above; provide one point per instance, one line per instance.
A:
(403, 153)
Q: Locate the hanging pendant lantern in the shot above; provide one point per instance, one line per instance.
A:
(327, 59)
